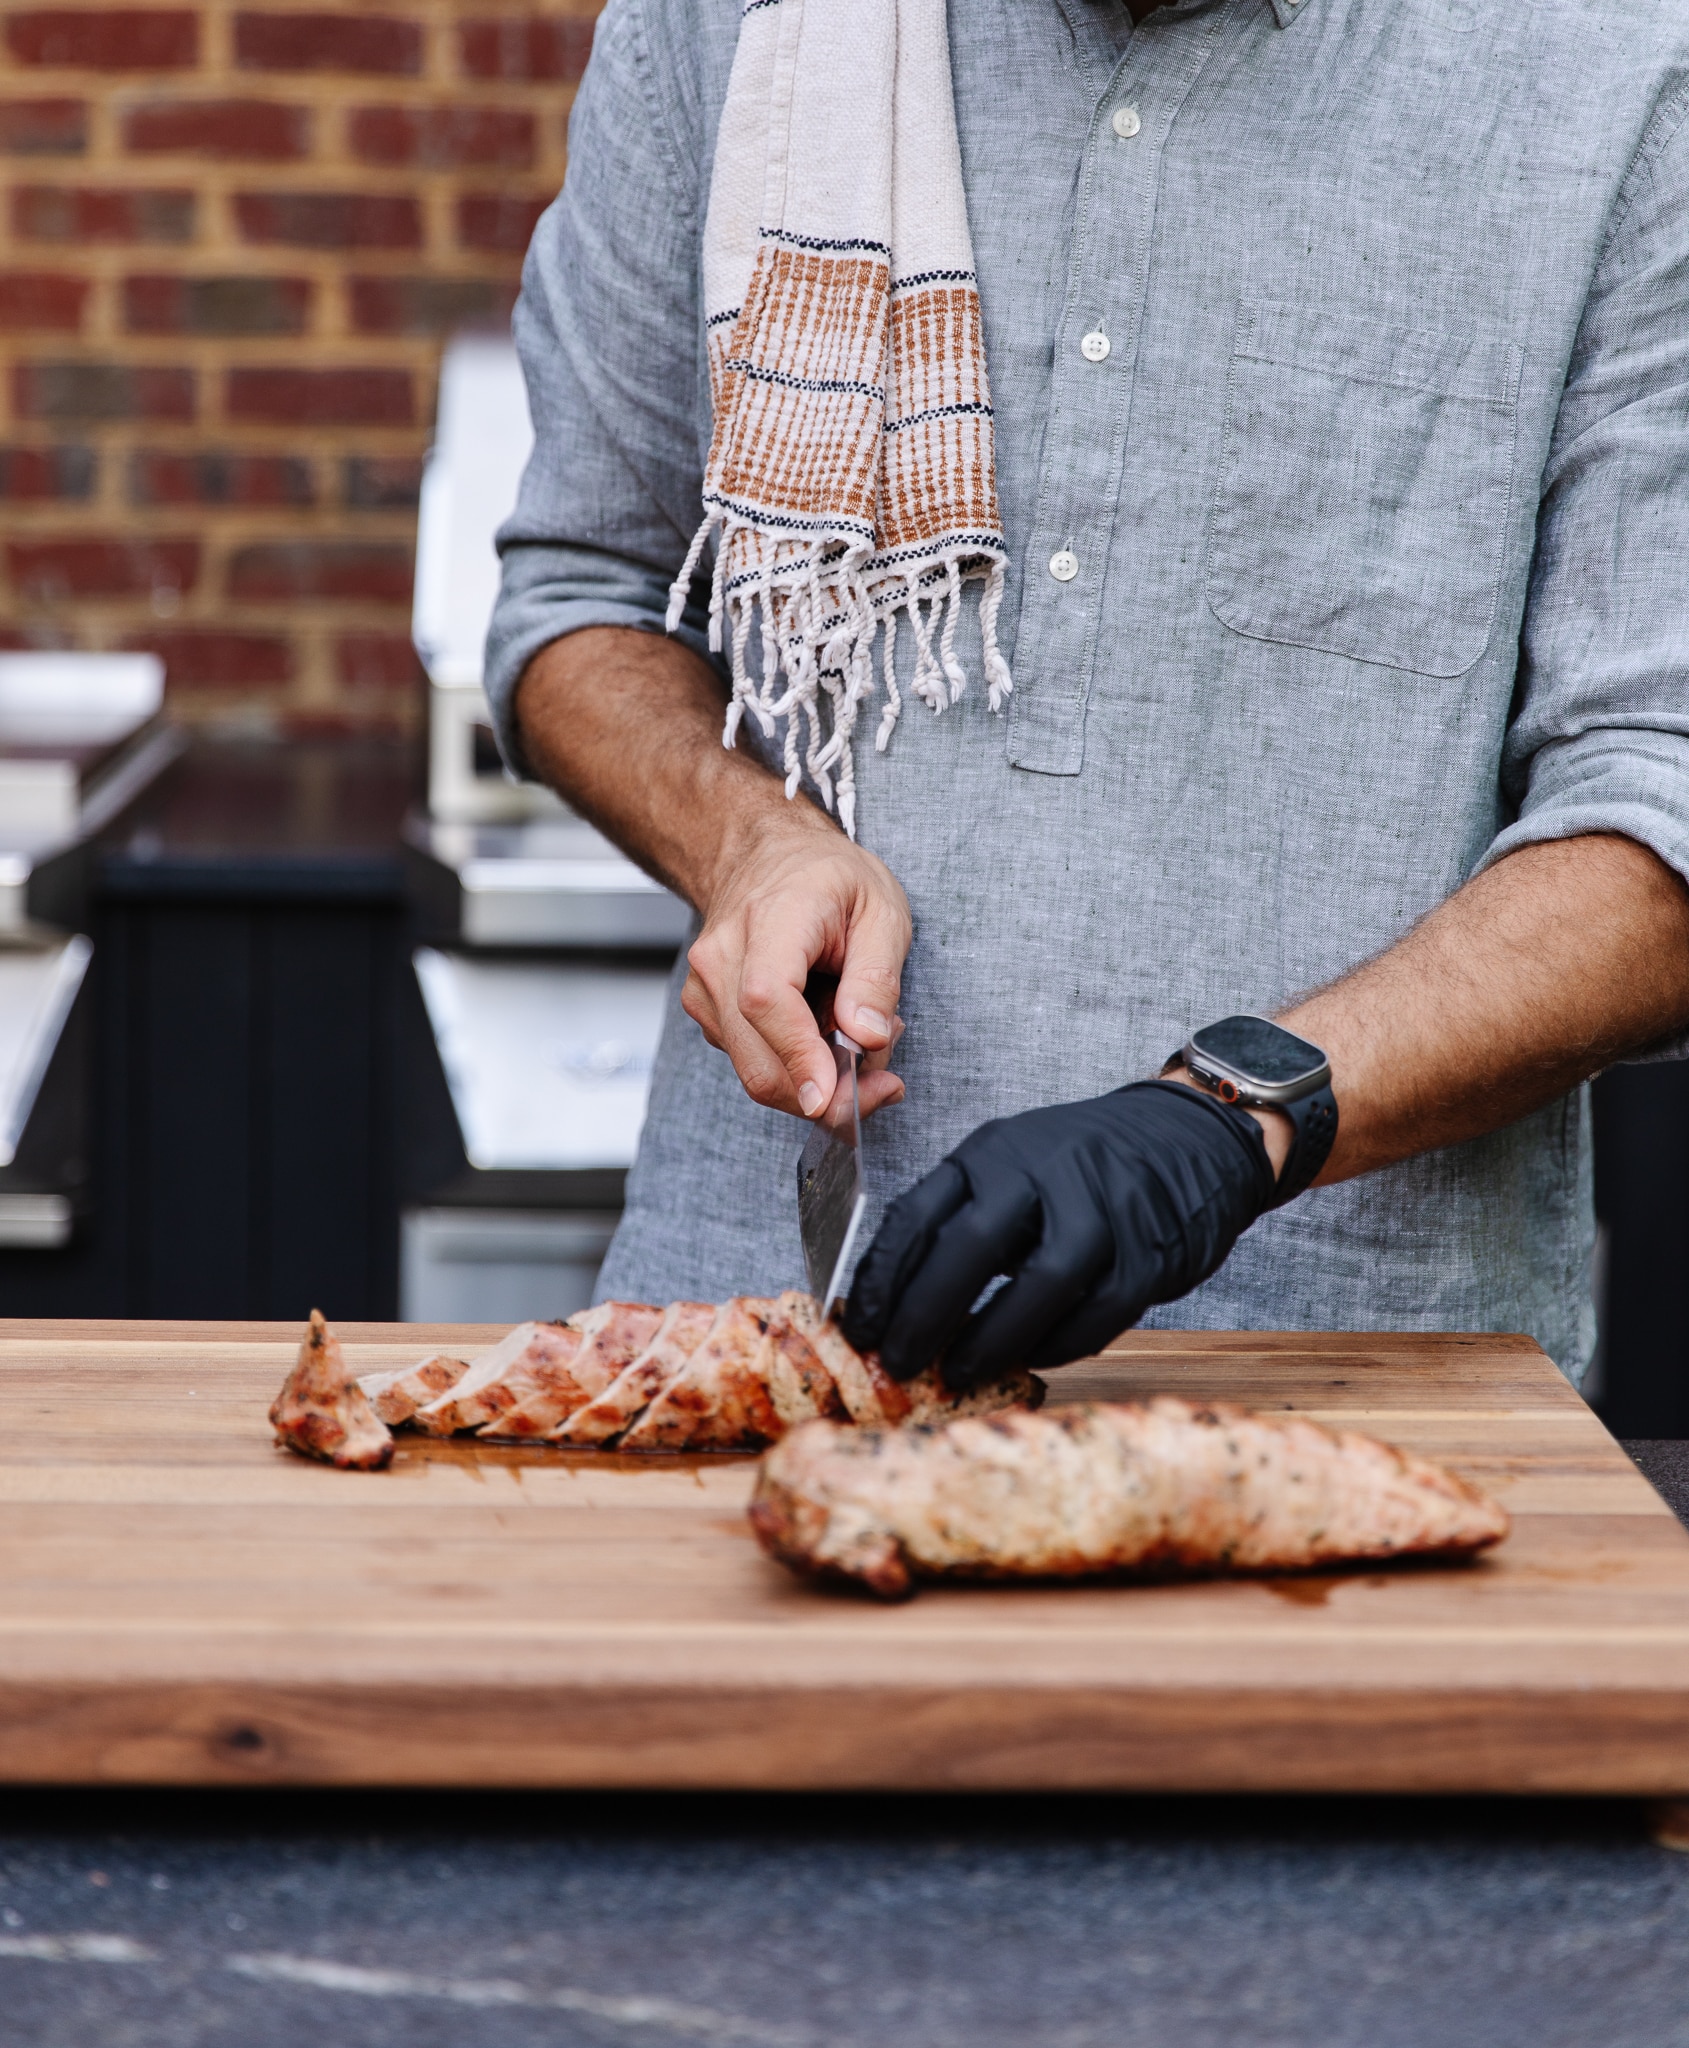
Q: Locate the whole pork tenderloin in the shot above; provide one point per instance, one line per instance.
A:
(1155, 1488)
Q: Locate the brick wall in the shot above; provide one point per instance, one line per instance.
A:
(231, 241)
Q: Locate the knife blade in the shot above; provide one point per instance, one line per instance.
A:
(832, 1189)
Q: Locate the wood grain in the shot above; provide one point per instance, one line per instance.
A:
(180, 1602)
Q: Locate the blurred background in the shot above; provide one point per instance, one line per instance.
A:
(301, 1002)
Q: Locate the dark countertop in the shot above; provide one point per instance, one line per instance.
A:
(176, 1920)
(319, 818)
(1665, 1464)
(498, 1922)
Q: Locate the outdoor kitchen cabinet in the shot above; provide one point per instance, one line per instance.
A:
(248, 939)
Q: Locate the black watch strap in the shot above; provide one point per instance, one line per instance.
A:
(1314, 1120)
(1313, 1124)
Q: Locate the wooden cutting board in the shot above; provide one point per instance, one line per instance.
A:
(182, 1603)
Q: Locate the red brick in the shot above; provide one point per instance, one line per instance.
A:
(283, 572)
(328, 42)
(322, 398)
(51, 570)
(377, 661)
(105, 38)
(43, 127)
(40, 300)
(216, 305)
(329, 220)
(525, 47)
(428, 305)
(231, 130)
(382, 483)
(102, 391)
(213, 476)
(219, 661)
(442, 138)
(37, 475)
(498, 220)
(62, 213)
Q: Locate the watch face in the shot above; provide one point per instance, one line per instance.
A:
(1259, 1050)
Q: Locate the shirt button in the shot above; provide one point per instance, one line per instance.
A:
(1094, 347)
(1125, 122)
(1064, 565)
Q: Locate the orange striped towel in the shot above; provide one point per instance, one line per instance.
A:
(851, 476)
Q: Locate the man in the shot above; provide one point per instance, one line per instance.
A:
(1339, 357)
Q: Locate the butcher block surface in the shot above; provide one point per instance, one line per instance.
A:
(181, 1602)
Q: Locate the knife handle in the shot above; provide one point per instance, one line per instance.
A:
(818, 992)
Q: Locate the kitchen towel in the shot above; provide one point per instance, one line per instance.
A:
(851, 475)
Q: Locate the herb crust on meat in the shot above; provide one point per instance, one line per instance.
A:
(1154, 1488)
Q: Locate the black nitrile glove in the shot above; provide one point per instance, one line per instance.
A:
(1097, 1209)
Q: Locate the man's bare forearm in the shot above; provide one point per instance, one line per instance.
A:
(627, 727)
(1547, 967)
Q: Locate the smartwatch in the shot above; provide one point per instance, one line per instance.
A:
(1258, 1064)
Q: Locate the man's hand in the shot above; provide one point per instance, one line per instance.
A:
(1099, 1209)
(627, 726)
(795, 900)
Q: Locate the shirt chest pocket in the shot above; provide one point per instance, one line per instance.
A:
(1365, 481)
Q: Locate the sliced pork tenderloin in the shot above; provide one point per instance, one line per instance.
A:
(684, 1326)
(612, 1335)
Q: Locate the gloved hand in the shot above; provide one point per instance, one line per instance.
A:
(1097, 1209)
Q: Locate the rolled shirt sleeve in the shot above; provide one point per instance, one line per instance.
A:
(607, 327)
(1599, 741)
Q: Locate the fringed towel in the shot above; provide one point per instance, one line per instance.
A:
(851, 476)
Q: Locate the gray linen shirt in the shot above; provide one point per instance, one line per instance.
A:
(1381, 504)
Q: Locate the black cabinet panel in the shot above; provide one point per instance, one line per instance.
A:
(1642, 1198)
(258, 1074)
(191, 1080)
(325, 1213)
(248, 925)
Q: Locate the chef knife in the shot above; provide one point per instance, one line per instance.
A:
(832, 1192)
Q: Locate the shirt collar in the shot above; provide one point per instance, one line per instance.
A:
(1286, 11)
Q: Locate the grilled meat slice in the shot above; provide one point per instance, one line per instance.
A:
(867, 1390)
(872, 1396)
(528, 1358)
(1156, 1487)
(396, 1396)
(720, 1398)
(613, 1334)
(684, 1326)
(799, 1384)
(322, 1412)
(930, 1400)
